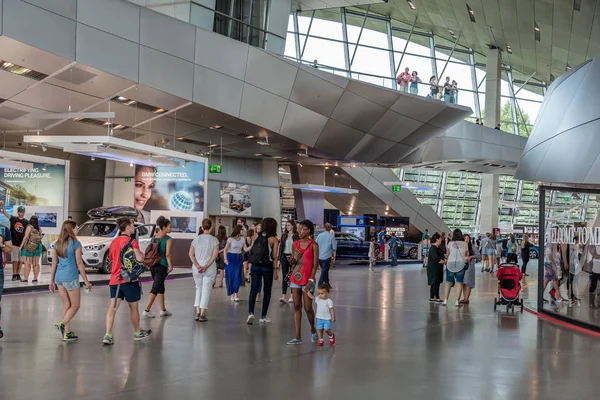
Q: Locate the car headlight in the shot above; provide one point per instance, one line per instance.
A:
(94, 247)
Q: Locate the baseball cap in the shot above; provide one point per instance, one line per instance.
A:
(21, 209)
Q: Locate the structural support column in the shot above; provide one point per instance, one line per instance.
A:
(493, 78)
(277, 23)
(490, 200)
(309, 205)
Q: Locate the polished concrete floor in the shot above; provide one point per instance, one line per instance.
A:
(391, 343)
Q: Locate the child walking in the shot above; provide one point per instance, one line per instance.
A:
(325, 313)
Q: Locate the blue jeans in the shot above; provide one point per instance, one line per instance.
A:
(257, 274)
(1, 290)
(324, 277)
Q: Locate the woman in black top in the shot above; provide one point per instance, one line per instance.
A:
(525, 254)
(435, 269)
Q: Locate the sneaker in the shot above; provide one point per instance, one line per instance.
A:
(148, 314)
(282, 300)
(320, 342)
(141, 335)
(439, 300)
(314, 337)
(203, 318)
(250, 319)
(445, 303)
(197, 317)
(291, 299)
(559, 300)
(294, 341)
(432, 300)
(457, 303)
(70, 337)
(236, 299)
(60, 327)
(264, 320)
(14, 277)
(332, 340)
(165, 313)
(108, 340)
(18, 277)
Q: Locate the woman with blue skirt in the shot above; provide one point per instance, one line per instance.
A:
(233, 263)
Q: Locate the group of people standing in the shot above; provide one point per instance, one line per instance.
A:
(298, 254)
(447, 92)
(458, 257)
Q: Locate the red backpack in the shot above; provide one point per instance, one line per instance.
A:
(152, 255)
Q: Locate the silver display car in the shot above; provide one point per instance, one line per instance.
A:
(96, 236)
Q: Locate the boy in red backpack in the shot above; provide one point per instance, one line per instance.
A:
(119, 288)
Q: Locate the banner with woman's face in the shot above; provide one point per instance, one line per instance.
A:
(172, 189)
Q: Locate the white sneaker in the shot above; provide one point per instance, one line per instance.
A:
(457, 303)
(148, 314)
(291, 299)
(445, 303)
(265, 320)
(250, 319)
(165, 313)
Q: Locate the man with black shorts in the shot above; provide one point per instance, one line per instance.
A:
(18, 225)
(120, 290)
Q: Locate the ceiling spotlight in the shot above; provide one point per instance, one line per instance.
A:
(538, 33)
(92, 158)
(386, 213)
(122, 98)
(471, 14)
(216, 127)
(44, 167)
(249, 137)
(326, 167)
(299, 164)
(213, 145)
(508, 49)
(536, 27)
(411, 5)
(336, 174)
(265, 143)
(44, 148)
(131, 164)
(130, 103)
(159, 110)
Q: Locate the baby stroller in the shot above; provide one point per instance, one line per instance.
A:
(509, 287)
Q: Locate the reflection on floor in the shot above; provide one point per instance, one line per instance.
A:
(389, 340)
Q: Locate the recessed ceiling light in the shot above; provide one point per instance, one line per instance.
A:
(471, 14)
(122, 98)
(258, 154)
(277, 157)
(249, 137)
(336, 174)
(538, 33)
(213, 145)
(159, 111)
(508, 49)
(411, 5)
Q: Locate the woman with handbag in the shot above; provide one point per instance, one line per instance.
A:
(163, 268)
(455, 266)
(304, 263)
(435, 269)
(31, 249)
(285, 254)
(469, 280)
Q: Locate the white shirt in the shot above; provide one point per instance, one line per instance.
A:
(235, 246)
(203, 248)
(457, 251)
(323, 307)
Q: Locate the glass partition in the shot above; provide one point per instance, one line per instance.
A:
(569, 268)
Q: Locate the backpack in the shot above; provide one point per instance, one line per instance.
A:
(260, 253)
(152, 255)
(131, 268)
(33, 241)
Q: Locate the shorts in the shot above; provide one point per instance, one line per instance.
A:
(549, 272)
(295, 286)
(15, 255)
(69, 285)
(458, 276)
(131, 292)
(323, 324)
(426, 250)
(504, 253)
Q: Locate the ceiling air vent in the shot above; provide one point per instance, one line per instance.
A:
(75, 75)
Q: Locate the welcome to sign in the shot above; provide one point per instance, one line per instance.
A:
(567, 235)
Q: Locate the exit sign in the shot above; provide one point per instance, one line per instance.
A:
(127, 179)
(396, 188)
(215, 168)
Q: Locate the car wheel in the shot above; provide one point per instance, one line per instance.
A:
(533, 254)
(106, 265)
(413, 253)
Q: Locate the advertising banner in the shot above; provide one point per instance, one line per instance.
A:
(235, 199)
(179, 190)
(40, 189)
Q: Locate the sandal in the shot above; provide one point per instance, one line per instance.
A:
(34, 281)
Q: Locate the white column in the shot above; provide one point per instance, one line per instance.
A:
(493, 78)
(489, 202)
(279, 12)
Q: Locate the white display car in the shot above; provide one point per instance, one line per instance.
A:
(96, 236)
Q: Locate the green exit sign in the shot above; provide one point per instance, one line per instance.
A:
(215, 168)
(396, 188)
(127, 179)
